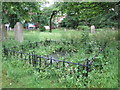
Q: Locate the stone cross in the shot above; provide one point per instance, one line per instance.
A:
(92, 29)
(3, 33)
(18, 28)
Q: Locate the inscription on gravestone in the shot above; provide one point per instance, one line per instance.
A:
(18, 28)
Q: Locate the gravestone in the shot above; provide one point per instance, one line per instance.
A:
(18, 28)
(3, 33)
(65, 29)
(92, 29)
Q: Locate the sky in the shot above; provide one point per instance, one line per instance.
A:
(47, 4)
(50, 3)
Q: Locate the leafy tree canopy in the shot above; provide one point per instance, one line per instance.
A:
(98, 13)
(19, 11)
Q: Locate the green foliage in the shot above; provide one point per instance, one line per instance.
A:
(105, 20)
(86, 45)
(42, 28)
(70, 22)
(19, 11)
(118, 35)
(83, 28)
(100, 14)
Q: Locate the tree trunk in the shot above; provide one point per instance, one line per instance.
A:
(51, 24)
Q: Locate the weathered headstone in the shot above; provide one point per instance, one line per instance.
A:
(65, 29)
(18, 32)
(3, 32)
(92, 29)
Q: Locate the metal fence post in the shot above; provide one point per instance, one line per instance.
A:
(29, 58)
(40, 61)
(83, 68)
(21, 55)
(63, 64)
(45, 63)
(22, 47)
(78, 70)
(51, 60)
(71, 41)
(87, 68)
(36, 44)
(33, 59)
(57, 63)
(5, 51)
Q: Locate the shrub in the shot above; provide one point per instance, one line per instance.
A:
(83, 28)
(42, 28)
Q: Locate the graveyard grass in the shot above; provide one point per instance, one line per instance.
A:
(19, 74)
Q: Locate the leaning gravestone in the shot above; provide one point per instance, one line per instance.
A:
(18, 32)
(92, 29)
(3, 33)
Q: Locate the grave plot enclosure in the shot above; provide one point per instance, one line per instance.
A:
(60, 55)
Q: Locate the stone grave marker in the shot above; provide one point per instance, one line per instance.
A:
(92, 29)
(65, 29)
(3, 33)
(18, 28)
